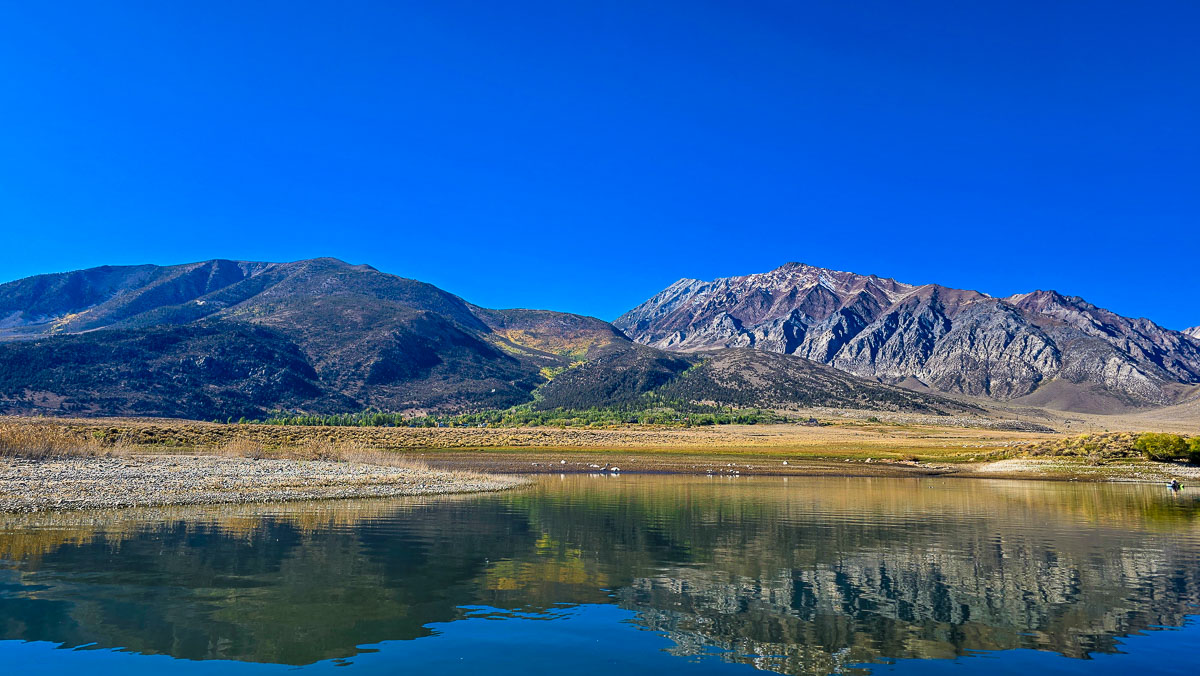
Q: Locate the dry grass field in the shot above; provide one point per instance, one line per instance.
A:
(835, 439)
(1182, 418)
(845, 443)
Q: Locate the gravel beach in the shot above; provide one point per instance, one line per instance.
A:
(149, 480)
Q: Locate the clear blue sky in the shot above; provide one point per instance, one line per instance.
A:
(580, 156)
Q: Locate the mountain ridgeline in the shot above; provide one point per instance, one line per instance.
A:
(1041, 348)
(222, 339)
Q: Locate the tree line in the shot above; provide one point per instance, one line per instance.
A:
(684, 415)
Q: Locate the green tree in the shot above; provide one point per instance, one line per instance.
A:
(1193, 455)
(1162, 447)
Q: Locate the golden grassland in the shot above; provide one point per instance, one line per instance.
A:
(40, 438)
(839, 446)
(1182, 418)
(838, 439)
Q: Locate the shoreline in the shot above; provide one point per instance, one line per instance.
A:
(160, 480)
(783, 464)
(107, 463)
(145, 480)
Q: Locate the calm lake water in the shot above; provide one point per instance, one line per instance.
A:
(629, 575)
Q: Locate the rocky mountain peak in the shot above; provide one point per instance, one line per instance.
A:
(235, 338)
(953, 340)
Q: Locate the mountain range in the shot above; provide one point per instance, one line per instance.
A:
(1041, 348)
(222, 338)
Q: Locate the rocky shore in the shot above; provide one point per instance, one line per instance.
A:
(31, 485)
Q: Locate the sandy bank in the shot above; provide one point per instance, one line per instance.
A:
(151, 480)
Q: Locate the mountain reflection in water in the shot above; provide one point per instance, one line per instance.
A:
(799, 576)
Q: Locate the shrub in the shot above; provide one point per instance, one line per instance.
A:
(1163, 447)
(1194, 450)
(47, 440)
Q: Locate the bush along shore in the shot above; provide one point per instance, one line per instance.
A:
(1108, 446)
(48, 467)
(668, 415)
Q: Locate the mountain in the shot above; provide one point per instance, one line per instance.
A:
(738, 377)
(1041, 347)
(331, 337)
(222, 338)
(196, 371)
(1194, 332)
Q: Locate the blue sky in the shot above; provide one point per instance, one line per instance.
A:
(580, 156)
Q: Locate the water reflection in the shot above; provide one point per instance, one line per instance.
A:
(799, 576)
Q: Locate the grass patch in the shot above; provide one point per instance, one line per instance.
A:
(49, 440)
(52, 441)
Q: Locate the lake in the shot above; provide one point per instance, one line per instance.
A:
(620, 574)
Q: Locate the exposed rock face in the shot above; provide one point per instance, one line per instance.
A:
(1194, 332)
(951, 340)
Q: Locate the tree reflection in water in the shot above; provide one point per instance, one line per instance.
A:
(799, 576)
